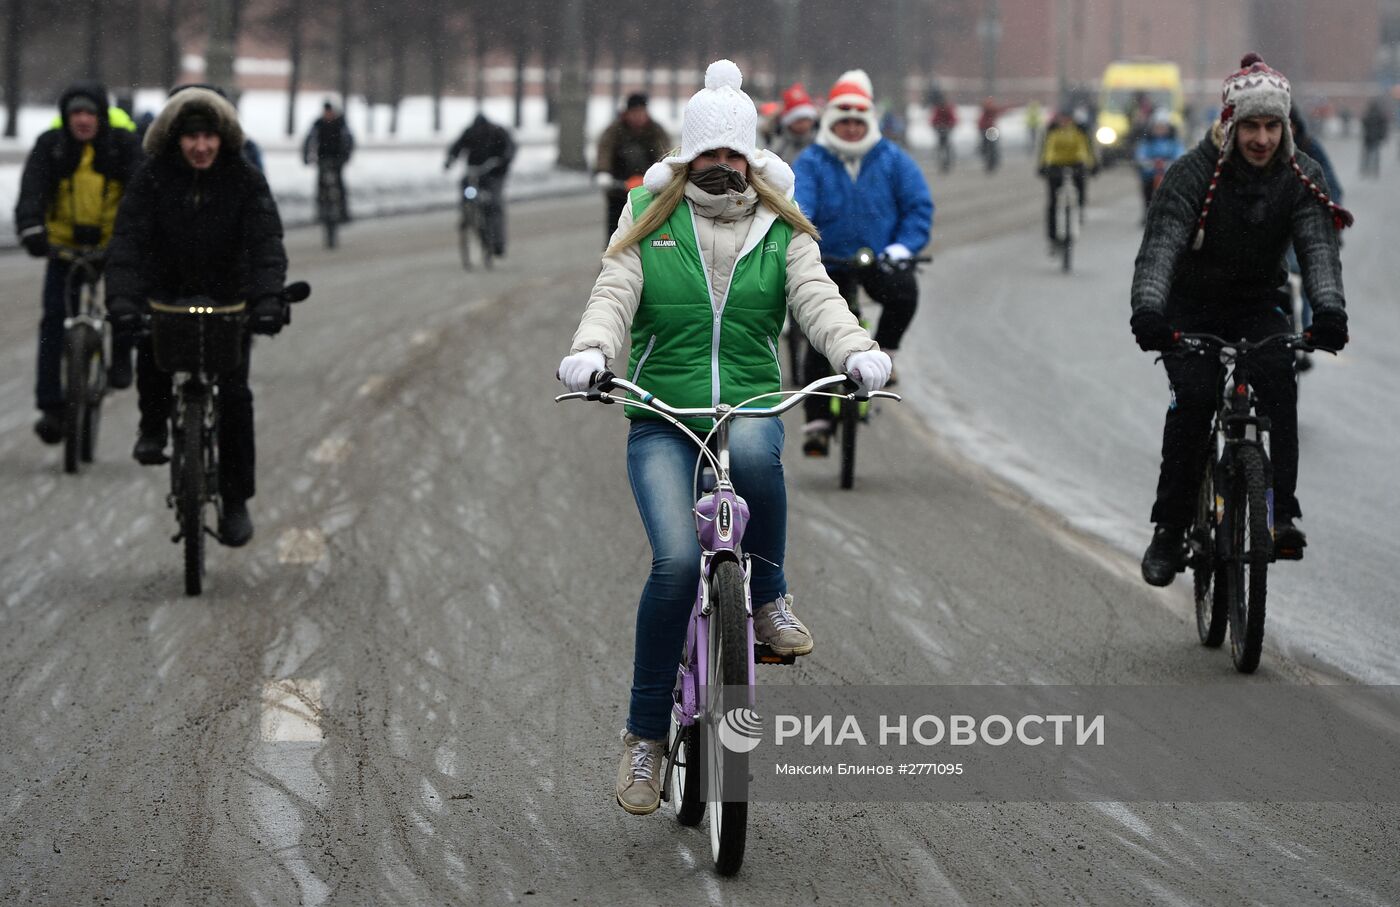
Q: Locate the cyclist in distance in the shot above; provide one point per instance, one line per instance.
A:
(1155, 153)
(797, 123)
(1065, 145)
(199, 220)
(330, 144)
(708, 255)
(1211, 261)
(480, 142)
(861, 190)
(944, 120)
(626, 149)
(72, 183)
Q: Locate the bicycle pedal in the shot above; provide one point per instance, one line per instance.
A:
(763, 655)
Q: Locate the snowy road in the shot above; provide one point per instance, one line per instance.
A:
(407, 689)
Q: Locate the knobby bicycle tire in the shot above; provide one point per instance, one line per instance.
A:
(1252, 544)
(191, 495)
(850, 415)
(1212, 607)
(729, 669)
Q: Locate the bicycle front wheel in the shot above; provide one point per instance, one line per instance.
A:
(728, 673)
(82, 379)
(850, 415)
(466, 229)
(189, 468)
(1251, 549)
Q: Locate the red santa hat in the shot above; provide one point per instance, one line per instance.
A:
(797, 104)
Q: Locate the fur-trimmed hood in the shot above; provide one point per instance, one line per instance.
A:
(188, 100)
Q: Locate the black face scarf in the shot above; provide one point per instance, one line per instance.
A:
(719, 179)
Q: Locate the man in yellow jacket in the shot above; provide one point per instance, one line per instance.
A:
(1066, 145)
(69, 192)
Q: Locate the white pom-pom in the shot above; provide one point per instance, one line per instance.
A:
(658, 177)
(723, 74)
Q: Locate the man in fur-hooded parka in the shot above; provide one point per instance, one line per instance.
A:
(188, 227)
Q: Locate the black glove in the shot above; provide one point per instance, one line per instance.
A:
(124, 315)
(1044, 172)
(268, 315)
(1329, 329)
(36, 244)
(1151, 330)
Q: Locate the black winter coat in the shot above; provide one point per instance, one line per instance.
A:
(1254, 217)
(183, 232)
(56, 154)
(480, 142)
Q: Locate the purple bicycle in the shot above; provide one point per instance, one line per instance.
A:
(713, 725)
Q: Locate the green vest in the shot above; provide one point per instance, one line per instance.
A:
(694, 351)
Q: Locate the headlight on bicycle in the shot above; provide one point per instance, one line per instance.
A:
(469, 193)
(1106, 135)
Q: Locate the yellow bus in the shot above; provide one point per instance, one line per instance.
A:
(1124, 87)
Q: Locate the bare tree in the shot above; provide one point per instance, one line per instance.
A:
(437, 64)
(573, 98)
(14, 26)
(345, 41)
(170, 64)
(223, 39)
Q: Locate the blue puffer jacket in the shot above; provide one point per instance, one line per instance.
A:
(888, 203)
(1157, 148)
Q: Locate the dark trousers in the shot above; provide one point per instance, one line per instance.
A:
(48, 384)
(1053, 179)
(1195, 387)
(897, 292)
(1370, 159)
(493, 208)
(617, 200)
(236, 448)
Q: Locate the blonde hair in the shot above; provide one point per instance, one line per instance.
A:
(664, 204)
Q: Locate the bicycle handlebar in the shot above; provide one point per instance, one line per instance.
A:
(1194, 342)
(603, 383)
(866, 258)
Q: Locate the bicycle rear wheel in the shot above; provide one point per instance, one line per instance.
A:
(850, 415)
(687, 770)
(188, 466)
(466, 228)
(1211, 604)
(1067, 215)
(728, 672)
(83, 354)
(1251, 550)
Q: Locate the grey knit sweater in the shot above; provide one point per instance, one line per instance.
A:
(1255, 215)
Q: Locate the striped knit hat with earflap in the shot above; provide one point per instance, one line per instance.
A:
(1259, 91)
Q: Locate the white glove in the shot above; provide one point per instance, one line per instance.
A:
(897, 252)
(870, 367)
(576, 369)
(603, 180)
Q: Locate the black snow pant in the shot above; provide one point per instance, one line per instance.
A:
(1195, 388)
(236, 447)
(617, 200)
(897, 292)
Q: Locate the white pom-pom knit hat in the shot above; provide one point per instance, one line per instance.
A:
(720, 115)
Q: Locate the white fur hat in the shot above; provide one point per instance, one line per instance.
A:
(720, 115)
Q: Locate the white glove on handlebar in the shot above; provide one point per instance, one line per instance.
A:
(897, 252)
(603, 180)
(576, 369)
(870, 367)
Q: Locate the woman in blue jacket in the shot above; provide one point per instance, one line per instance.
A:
(861, 190)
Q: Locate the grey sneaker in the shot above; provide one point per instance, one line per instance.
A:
(639, 774)
(775, 625)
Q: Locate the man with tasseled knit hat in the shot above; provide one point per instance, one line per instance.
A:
(862, 191)
(1212, 261)
(709, 255)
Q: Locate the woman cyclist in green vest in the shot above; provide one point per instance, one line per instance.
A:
(708, 255)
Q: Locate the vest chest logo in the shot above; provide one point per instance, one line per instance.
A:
(770, 246)
(664, 241)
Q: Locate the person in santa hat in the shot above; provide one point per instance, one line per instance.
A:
(862, 191)
(1211, 261)
(797, 123)
(708, 256)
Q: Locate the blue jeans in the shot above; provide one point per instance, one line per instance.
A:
(661, 469)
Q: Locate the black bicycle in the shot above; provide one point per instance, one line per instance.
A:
(1230, 543)
(477, 223)
(196, 340)
(330, 200)
(848, 411)
(85, 340)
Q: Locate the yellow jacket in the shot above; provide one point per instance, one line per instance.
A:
(1066, 146)
(85, 198)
